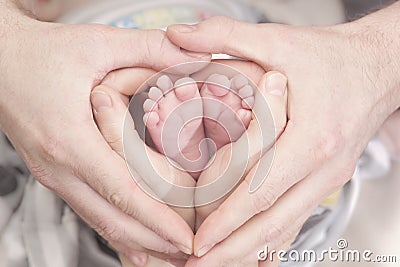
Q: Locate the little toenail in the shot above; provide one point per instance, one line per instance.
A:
(101, 100)
(275, 84)
(204, 250)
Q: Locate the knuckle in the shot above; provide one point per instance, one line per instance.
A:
(108, 231)
(264, 200)
(328, 144)
(156, 43)
(39, 165)
(42, 174)
(119, 200)
(52, 150)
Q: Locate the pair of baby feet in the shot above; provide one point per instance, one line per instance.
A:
(189, 121)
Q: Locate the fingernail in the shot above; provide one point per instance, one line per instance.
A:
(184, 28)
(204, 250)
(196, 54)
(275, 84)
(184, 249)
(100, 101)
(138, 261)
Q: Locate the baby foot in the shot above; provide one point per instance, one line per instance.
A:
(227, 108)
(174, 119)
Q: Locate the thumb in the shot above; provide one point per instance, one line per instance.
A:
(109, 111)
(253, 42)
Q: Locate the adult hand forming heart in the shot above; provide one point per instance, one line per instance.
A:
(227, 103)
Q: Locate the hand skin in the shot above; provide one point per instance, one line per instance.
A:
(343, 84)
(47, 72)
(121, 84)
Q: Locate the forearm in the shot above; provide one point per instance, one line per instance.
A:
(381, 35)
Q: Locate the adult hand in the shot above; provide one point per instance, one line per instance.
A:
(47, 72)
(342, 86)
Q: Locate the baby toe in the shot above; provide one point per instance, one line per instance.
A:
(218, 85)
(151, 119)
(248, 103)
(155, 93)
(246, 91)
(239, 81)
(149, 105)
(186, 88)
(164, 83)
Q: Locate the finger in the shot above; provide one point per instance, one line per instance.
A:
(129, 256)
(275, 83)
(269, 255)
(108, 221)
(141, 256)
(110, 120)
(137, 48)
(242, 247)
(275, 262)
(104, 170)
(135, 259)
(127, 81)
(289, 212)
(228, 36)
